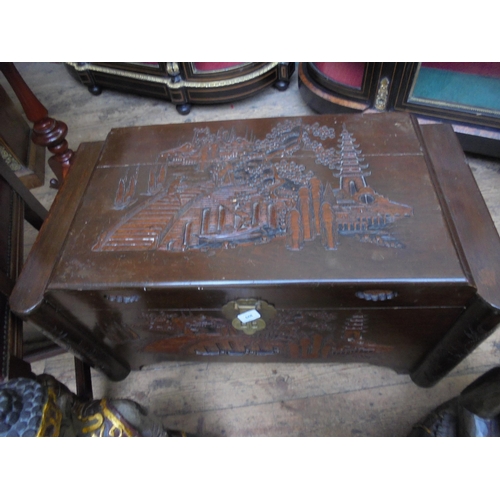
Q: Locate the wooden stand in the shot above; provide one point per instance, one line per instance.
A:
(345, 238)
(380, 87)
(47, 131)
(185, 83)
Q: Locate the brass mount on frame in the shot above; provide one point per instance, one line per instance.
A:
(249, 315)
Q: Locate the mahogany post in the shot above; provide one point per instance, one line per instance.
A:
(47, 131)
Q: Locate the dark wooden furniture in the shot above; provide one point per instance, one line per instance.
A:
(185, 83)
(18, 204)
(17, 150)
(466, 95)
(475, 412)
(47, 132)
(344, 238)
(12, 205)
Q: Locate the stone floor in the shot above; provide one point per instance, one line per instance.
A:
(249, 399)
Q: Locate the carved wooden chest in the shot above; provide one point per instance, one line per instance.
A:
(320, 238)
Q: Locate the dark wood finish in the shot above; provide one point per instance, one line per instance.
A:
(403, 100)
(458, 187)
(34, 212)
(11, 255)
(388, 87)
(47, 131)
(16, 205)
(17, 150)
(64, 329)
(325, 95)
(184, 83)
(83, 379)
(350, 228)
(482, 397)
(474, 413)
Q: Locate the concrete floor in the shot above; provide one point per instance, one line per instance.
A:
(249, 399)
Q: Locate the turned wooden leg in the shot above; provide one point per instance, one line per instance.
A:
(51, 134)
(47, 131)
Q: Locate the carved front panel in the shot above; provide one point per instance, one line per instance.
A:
(303, 199)
(292, 335)
(387, 337)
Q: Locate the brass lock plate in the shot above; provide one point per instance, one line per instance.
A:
(249, 315)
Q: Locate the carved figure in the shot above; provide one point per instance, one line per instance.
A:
(222, 190)
(475, 412)
(295, 334)
(46, 408)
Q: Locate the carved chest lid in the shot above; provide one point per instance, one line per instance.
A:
(318, 199)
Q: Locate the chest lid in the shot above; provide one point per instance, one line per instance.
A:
(317, 199)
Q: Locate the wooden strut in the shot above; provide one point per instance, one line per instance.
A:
(47, 131)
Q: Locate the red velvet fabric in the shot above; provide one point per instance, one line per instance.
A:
(473, 68)
(214, 66)
(345, 73)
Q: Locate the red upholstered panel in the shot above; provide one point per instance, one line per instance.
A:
(214, 66)
(473, 68)
(345, 73)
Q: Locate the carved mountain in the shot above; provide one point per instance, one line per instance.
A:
(223, 190)
(298, 335)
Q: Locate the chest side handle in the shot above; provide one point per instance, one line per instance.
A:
(376, 295)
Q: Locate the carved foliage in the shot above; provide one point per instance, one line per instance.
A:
(224, 190)
(291, 335)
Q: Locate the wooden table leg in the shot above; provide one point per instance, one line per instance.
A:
(47, 131)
